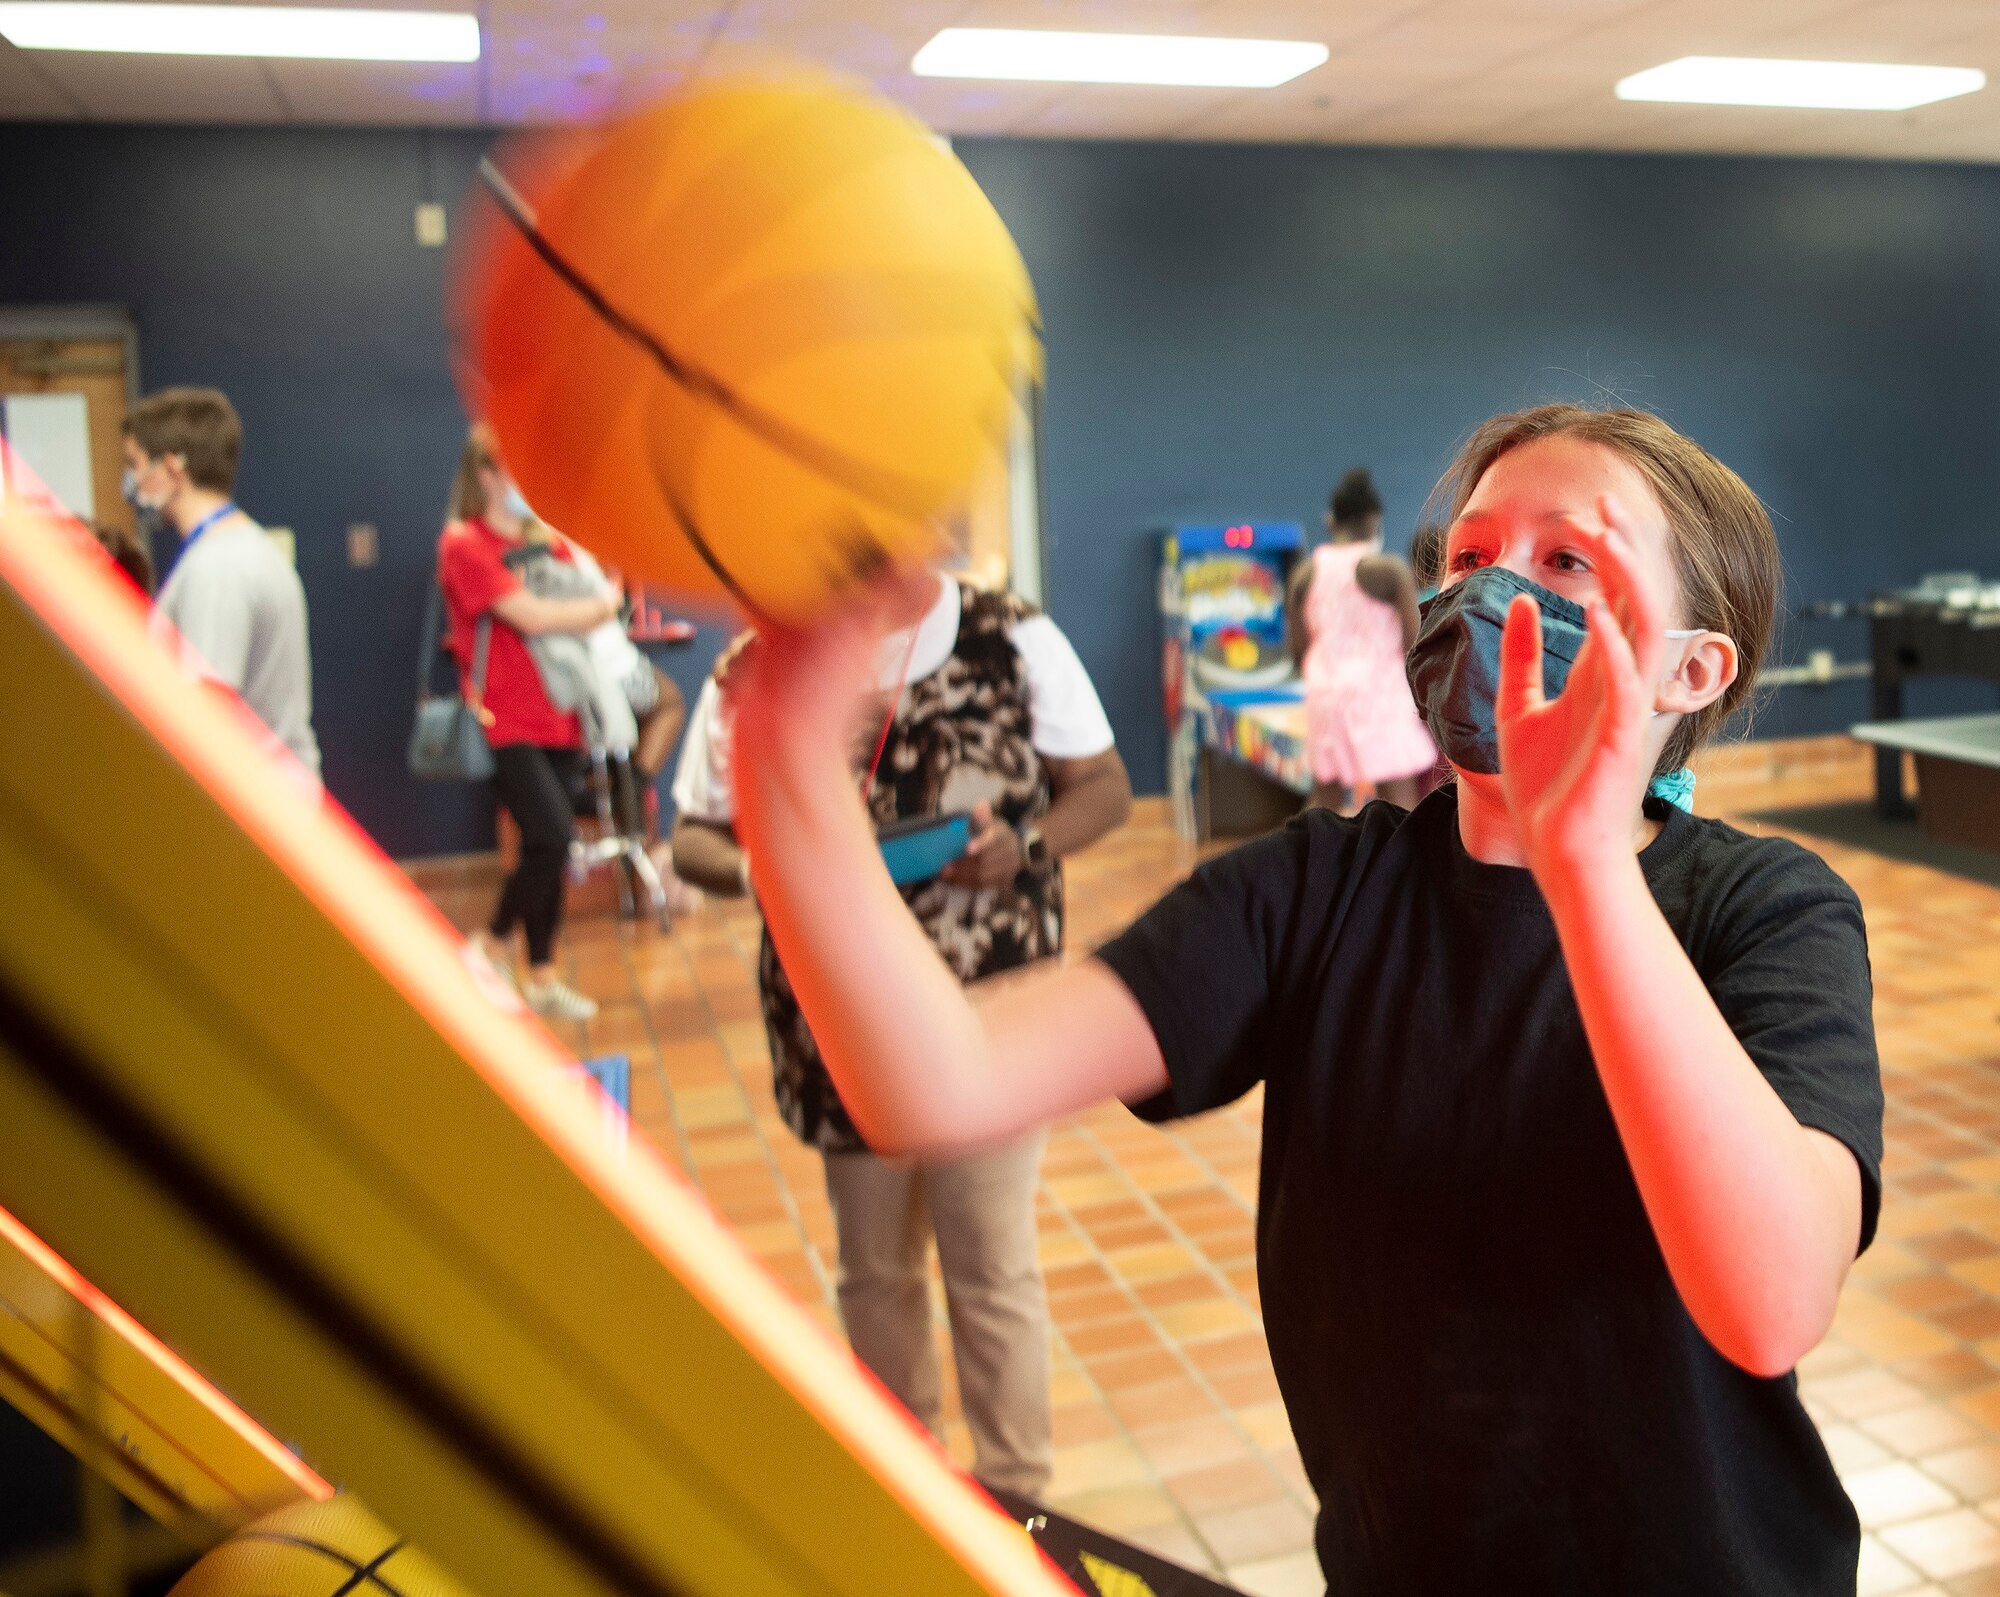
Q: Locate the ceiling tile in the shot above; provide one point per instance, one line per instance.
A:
(376, 92)
(1606, 125)
(1965, 110)
(958, 106)
(1087, 16)
(148, 88)
(1892, 30)
(1981, 144)
(1444, 44)
(1116, 111)
(1537, 73)
(1309, 109)
(28, 93)
(1445, 121)
(1709, 27)
(1338, 26)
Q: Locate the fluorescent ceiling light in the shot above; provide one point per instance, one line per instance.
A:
(291, 32)
(1043, 57)
(1819, 85)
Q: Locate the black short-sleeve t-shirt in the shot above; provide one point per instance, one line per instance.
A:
(1493, 1382)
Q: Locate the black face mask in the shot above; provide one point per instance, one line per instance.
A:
(1454, 666)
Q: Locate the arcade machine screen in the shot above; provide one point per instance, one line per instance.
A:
(1228, 584)
(1222, 603)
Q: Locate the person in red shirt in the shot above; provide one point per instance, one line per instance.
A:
(537, 748)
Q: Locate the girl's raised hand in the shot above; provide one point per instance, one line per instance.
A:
(1573, 768)
(800, 690)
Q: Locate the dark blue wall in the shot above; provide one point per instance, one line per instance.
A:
(1229, 327)
(282, 266)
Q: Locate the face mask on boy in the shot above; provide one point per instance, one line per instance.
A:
(1454, 666)
(140, 501)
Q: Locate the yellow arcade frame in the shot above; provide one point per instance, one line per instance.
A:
(248, 1088)
(102, 1385)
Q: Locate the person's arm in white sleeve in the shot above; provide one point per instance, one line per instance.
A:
(705, 850)
(1090, 792)
(1069, 719)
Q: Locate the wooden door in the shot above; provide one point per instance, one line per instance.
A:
(94, 368)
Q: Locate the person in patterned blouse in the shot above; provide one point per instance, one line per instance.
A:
(997, 719)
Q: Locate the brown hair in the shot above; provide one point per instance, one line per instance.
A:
(1427, 553)
(468, 493)
(127, 553)
(1725, 552)
(199, 425)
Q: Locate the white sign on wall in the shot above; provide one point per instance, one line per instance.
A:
(51, 434)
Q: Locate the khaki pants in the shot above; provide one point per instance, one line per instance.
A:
(982, 1211)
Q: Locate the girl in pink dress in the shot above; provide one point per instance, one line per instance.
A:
(1360, 613)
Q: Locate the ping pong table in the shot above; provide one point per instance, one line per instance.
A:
(1912, 635)
(1958, 774)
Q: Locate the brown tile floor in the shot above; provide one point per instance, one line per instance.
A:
(1168, 1426)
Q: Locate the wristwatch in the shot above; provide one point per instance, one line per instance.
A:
(1035, 855)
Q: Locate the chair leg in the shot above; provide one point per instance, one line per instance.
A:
(621, 841)
(608, 825)
(640, 863)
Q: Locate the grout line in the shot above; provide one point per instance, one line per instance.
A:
(659, 1058)
(758, 1126)
(1175, 1345)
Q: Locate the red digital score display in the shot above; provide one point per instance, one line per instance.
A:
(1239, 537)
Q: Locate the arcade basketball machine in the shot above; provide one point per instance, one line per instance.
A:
(1222, 610)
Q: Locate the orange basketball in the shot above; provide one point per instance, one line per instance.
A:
(330, 1549)
(761, 339)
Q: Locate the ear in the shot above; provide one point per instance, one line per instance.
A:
(1705, 674)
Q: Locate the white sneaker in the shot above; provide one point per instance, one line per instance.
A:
(555, 999)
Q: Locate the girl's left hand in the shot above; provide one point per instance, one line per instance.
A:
(1574, 767)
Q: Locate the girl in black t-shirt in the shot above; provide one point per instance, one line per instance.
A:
(1572, 1109)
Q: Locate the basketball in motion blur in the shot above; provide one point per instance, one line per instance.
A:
(762, 339)
(331, 1549)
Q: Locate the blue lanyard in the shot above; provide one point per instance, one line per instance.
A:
(194, 532)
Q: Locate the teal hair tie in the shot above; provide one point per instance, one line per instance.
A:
(1676, 787)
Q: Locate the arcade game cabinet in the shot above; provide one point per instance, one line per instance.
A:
(1233, 764)
(262, 1127)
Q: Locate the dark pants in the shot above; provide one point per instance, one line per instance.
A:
(534, 783)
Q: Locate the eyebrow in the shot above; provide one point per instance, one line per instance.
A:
(1547, 517)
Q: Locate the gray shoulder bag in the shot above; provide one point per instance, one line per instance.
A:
(448, 743)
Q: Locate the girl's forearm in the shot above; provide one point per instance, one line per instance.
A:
(535, 615)
(1756, 1223)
